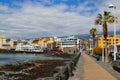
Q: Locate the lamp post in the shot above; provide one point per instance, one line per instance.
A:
(91, 46)
(103, 49)
(115, 47)
(96, 41)
(79, 45)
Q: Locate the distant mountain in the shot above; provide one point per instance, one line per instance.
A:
(87, 36)
(83, 36)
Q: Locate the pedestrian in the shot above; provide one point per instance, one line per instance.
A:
(83, 52)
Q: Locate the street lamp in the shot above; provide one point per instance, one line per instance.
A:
(79, 45)
(103, 49)
(115, 47)
(91, 45)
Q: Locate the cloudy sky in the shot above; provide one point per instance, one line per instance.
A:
(44, 18)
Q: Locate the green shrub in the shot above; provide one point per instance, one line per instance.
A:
(89, 51)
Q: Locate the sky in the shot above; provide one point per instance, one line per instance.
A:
(46, 18)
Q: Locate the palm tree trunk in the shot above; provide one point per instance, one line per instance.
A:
(106, 52)
(105, 34)
(93, 40)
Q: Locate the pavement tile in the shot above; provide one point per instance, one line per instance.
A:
(88, 69)
(93, 71)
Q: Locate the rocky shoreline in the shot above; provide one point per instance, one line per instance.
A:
(29, 71)
(33, 70)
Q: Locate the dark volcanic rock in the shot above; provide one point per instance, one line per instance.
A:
(31, 71)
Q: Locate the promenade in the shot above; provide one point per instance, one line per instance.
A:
(88, 69)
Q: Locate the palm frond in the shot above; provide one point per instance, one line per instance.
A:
(99, 16)
(106, 13)
(93, 31)
(111, 20)
(97, 21)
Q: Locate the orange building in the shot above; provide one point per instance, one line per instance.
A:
(46, 42)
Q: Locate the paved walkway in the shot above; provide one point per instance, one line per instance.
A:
(90, 70)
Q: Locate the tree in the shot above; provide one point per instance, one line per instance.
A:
(104, 20)
(93, 32)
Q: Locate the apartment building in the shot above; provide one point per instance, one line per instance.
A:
(45, 42)
(2, 40)
(110, 40)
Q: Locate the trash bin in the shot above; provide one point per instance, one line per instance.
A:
(98, 58)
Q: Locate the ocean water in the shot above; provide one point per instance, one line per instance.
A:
(13, 58)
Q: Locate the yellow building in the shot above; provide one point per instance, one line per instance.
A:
(43, 41)
(110, 40)
(2, 40)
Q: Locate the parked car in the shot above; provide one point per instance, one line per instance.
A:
(111, 55)
(118, 55)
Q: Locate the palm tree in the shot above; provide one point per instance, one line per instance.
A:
(104, 20)
(93, 32)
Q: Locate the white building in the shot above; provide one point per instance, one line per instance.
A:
(2, 40)
(29, 47)
(69, 41)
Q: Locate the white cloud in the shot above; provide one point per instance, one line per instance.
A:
(3, 8)
(39, 20)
